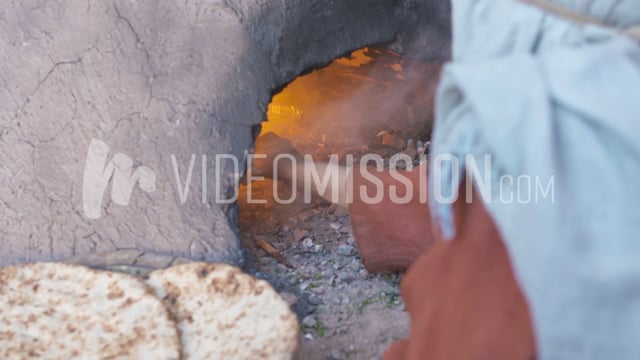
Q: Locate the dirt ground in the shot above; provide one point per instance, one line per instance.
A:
(307, 250)
(345, 312)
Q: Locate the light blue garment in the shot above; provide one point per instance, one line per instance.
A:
(559, 103)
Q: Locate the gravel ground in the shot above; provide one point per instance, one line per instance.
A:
(382, 106)
(345, 312)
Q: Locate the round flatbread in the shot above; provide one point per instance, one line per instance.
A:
(222, 313)
(61, 311)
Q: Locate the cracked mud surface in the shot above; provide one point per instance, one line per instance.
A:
(152, 80)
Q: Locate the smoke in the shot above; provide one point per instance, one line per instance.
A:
(347, 103)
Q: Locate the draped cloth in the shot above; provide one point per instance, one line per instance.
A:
(547, 113)
(536, 132)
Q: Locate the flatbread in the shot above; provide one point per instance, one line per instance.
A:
(222, 313)
(61, 311)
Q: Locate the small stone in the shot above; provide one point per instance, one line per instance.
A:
(307, 243)
(299, 234)
(317, 248)
(346, 229)
(351, 240)
(309, 321)
(346, 277)
(289, 298)
(345, 250)
(327, 234)
(355, 265)
(315, 299)
(308, 336)
(341, 211)
(282, 267)
(363, 273)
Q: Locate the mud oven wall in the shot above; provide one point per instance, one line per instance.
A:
(112, 113)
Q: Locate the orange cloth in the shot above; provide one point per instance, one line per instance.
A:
(462, 296)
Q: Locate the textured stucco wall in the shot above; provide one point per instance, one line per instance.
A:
(150, 79)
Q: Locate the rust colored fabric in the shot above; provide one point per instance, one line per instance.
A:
(462, 296)
(390, 236)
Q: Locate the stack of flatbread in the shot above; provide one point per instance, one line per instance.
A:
(190, 311)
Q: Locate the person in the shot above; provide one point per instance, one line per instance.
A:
(536, 91)
(392, 236)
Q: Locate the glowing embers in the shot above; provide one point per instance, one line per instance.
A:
(373, 102)
(341, 107)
